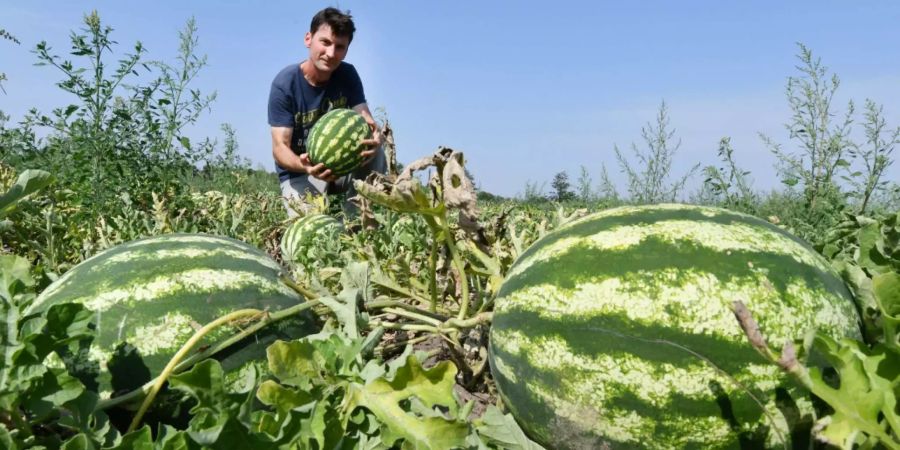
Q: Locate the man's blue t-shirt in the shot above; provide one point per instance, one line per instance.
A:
(294, 103)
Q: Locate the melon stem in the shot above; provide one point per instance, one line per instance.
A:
(197, 357)
(252, 314)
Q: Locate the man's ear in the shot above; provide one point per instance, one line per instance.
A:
(307, 39)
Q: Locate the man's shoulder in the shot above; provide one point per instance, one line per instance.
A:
(286, 76)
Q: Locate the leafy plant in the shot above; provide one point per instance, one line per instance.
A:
(863, 392)
(585, 189)
(648, 181)
(40, 402)
(875, 156)
(729, 184)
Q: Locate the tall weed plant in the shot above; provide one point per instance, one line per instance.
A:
(649, 170)
(124, 131)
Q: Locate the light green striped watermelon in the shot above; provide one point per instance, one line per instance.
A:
(334, 140)
(617, 330)
(152, 294)
(305, 231)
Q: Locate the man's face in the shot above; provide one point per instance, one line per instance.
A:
(326, 51)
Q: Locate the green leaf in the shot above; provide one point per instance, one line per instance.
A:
(185, 142)
(77, 442)
(344, 308)
(501, 430)
(295, 363)
(29, 182)
(204, 382)
(320, 358)
(82, 417)
(886, 287)
(861, 287)
(69, 110)
(15, 276)
(865, 392)
(6, 441)
(357, 288)
(171, 439)
(221, 418)
(51, 391)
(284, 399)
(870, 239)
(432, 387)
(140, 439)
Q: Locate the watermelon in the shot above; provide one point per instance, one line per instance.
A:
(334, 140)
(305, 231)
(149, 295)
(616, 330)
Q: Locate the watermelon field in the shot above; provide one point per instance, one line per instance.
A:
(155, 295)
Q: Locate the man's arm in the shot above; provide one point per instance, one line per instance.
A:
(287, 159)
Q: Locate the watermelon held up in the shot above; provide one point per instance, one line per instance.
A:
(335, 140)
(616, 330)
(149, 296)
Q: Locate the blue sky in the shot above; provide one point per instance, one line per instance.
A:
(525, 89)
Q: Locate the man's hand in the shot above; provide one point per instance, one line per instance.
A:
(371, 145)
(317, 170)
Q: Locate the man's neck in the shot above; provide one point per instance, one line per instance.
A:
(313, 76)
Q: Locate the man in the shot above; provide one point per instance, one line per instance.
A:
(301, 94)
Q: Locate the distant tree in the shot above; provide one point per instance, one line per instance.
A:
(561, 187)
(485, 196)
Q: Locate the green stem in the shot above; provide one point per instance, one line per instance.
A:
(302, 290)
(193, 359)
(460, 269)
(459, 324)
(400, 290)
(432, 262)
(228, 318)
(393, 345)
(403, 326)
(398, 304)
(414, 316)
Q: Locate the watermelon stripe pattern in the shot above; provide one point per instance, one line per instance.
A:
(155, 292)
(334, 140)
(617, 329)
(303, 232)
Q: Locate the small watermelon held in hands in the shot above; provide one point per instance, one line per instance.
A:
(335, 140)
(616, 330)
(150, 295)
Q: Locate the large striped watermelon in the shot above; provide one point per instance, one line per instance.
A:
(334, 140)
(616, 330)
(152, 294)
(305, 231)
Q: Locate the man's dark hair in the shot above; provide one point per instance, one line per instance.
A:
(341, 23)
